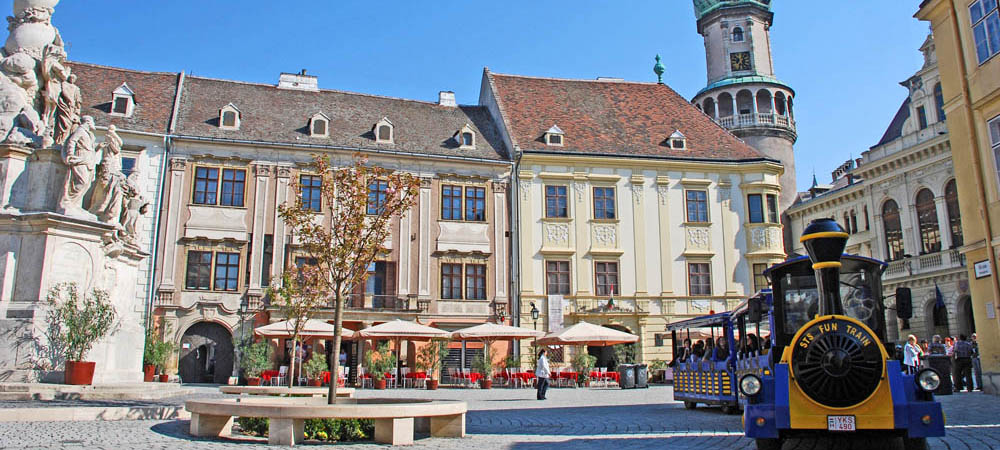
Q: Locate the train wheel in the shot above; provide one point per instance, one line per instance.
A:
(769, 444)
(690, 405)
(915, 443)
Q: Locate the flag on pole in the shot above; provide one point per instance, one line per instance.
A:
(938, 297)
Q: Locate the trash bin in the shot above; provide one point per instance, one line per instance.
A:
(641, 376)
(942, 364)
(626, 376)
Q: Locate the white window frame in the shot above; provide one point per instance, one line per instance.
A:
(677, 137)
(461, 141)
(392, 131)
(222, 114)
(990, 52)
(326, 127)
(555, 131)
(993, 130)
(123, 92)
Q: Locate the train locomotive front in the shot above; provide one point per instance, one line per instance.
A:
(828, 370)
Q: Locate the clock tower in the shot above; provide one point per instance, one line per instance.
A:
(743, 94)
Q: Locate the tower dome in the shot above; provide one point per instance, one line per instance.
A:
(703, 7)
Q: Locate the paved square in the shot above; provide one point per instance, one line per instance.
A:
(512, 419)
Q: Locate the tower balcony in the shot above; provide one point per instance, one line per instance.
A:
(758, 120)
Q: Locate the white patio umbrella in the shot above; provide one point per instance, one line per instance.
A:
(311, 328)
(585, 333)
(490, 332)
(399, 330)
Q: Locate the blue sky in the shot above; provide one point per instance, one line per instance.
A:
(844, 58)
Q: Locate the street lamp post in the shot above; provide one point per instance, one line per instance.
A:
(534, 317)
(244, 306)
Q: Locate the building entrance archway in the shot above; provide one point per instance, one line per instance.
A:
(966, 319)
(206, 354)
(936, 318)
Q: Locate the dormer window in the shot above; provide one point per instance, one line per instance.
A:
(122, 101)
(466, 137)
(554, 136)
(384, 131)
(677, 141)
(319, 125)
(737, 34)
(229, 117)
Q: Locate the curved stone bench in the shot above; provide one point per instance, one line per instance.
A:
(394, 418)
(300, 391)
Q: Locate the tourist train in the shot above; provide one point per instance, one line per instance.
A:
(808, 356)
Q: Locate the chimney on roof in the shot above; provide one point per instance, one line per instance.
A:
(447, 98)
(298, 81)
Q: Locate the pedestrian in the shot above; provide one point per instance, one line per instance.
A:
(924, 347)
(963, 364)
(542, 373)
(949, 346)
(977, 368)
(911, 355)
(937, 348)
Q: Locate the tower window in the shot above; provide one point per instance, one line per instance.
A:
(922, 117)
(737, 34)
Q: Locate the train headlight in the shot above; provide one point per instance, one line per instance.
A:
(928, 380)
(750, 385)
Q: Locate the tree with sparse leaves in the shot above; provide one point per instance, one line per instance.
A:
(300, 298)
(360, 201)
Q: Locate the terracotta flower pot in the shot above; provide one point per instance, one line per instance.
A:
(164, 378)
(432, 385)
(379, 384)
(80, 373)
(315, 382)
(485, 383)
(148, 372)
(253, 381)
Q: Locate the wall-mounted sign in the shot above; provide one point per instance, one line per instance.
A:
(555, 305)
(186, 345)
(982, 269)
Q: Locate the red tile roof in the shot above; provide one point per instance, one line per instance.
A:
(154, 96)
(281, 116)
(614, 118)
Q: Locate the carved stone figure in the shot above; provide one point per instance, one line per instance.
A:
(54, 73)
(19, 124)
(67, 110)
(79, 156)
(135, 207)
(109, 187)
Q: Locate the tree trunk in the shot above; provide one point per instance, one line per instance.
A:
(291, 371)
(338, 323)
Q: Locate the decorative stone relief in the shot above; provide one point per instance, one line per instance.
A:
(698, 238)
(581, 190)
(262, 170)
(663, 192)
(557, 232)
(636, 192)
(499, 187)
(525, 189)
(178, 164)
(606, 235)
(284, 172)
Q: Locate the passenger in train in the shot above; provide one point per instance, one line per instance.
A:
(721, 349)
(698, 351)
(709, 350)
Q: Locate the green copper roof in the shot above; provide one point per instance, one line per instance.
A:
(744, 80)
(702, 7)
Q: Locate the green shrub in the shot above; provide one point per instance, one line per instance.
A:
(315, 366)
(256, 358)
(343, 430)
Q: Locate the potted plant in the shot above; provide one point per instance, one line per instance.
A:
(429, 360)
(484, 364)
(256, 359)
(148, 355)
(76, 323)
(582, 363)
(161, 354)
(314, 369)
(378, 362)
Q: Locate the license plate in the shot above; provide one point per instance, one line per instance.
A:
(840, 423)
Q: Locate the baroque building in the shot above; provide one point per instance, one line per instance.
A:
(743, 94)
(900, 204)
(633, 209)
(237, 152)
(968, 34)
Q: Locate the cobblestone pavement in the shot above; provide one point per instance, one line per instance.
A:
(512, 419)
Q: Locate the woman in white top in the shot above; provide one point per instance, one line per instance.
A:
(542, 372)
(911, 355)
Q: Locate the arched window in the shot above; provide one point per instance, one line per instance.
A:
(764, 102)
(893, 230)
(930, 234)
(710, 107)
(779, 104)
(939, 102)
(744, 102)
(954, 215)
(737, 34)
(725, 104)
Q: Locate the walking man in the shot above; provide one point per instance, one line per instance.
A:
(542, 372)
(963, 364)
(977, 368)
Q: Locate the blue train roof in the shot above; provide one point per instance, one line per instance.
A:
(799, 259)
(699, 322)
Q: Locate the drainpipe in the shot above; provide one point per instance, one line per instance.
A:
(978, 167)
(154, 251)
(515, 249)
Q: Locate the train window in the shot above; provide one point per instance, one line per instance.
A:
(800, 301)
(857, 296)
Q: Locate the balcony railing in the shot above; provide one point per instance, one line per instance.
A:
(925, 263)
(757, 120)
(391, 303)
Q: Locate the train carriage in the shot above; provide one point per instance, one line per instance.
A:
(822, 366)
(708, 380)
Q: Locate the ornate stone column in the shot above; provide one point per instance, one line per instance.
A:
(262, 178)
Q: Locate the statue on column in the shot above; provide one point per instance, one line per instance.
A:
(67, 109)
(110, 186)
(79, 156)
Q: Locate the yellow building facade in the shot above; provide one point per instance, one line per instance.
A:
(967, 34)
